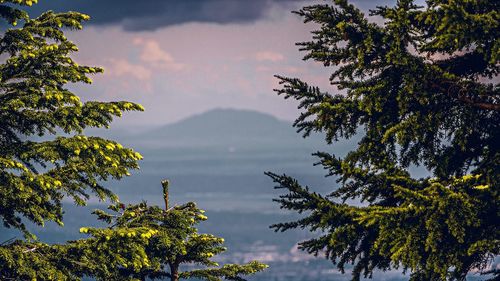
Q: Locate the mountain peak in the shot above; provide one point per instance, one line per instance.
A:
(222, 117)
(226, 128)
(223, 126)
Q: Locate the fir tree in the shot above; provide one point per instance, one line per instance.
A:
(417, 86)
(166, 240)
(35, 101)
(38, 165)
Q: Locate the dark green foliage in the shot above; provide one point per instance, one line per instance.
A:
(419, 89)
(22, 260)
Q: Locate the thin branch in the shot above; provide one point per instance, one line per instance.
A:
(481, 105)
(7, 241)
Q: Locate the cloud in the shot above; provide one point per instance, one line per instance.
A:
(155, 56)
(122, 67)
(269, 56)
(143, 15)
(129, 77)
(143, 69)
(150, 15)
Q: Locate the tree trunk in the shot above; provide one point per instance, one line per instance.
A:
(174, 272)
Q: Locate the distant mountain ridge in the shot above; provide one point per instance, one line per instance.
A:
(228, 123)
(223, 128)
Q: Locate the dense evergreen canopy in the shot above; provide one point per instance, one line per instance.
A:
(417, 86)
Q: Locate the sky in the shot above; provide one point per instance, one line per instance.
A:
(183, 57)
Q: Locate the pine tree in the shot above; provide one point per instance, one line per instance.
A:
(39, 166)
(166, 240)
(417, 86)
(36, 102)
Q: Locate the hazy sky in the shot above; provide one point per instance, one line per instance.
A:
(182, 57)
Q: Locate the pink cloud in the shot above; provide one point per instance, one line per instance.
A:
(122, 71)
(269, 56)
(122, 67)
(154, 55)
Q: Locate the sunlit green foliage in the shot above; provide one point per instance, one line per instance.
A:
(39, 166)
(35, 101)
(417, 86)
(166, 240)
(141, 242)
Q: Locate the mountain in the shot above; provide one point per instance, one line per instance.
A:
(230, 123)
(228, 128)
